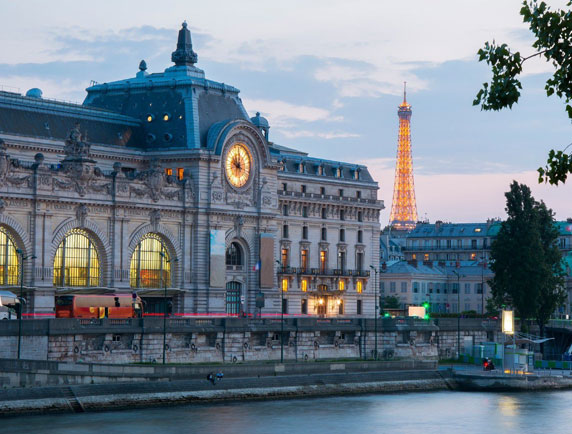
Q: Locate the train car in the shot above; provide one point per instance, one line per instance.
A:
(98, 306)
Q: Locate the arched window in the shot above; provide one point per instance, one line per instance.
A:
(76, 262)
(234, 254)
(9, 261)
(150, 264)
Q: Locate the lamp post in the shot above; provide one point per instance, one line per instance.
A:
(375, 310)
(164, 281)
(20, 252)
(458, 313)
(281, 314)
(483, 284)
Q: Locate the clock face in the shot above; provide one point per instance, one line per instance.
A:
(238, 165)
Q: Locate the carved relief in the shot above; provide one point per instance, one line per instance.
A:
(155, 218)
(6, 168)
(80, 171)
(155, 183)
(81, 214)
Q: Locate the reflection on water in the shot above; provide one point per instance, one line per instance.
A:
(427, 413)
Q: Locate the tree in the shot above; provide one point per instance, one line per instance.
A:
(525, 259)
(390, 302)
(553, 33)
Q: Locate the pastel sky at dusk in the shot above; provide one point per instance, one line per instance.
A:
(328, 75)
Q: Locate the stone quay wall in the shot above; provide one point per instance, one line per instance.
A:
(236, 340)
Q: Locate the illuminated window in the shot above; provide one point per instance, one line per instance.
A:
(473, 256)
(414, 256)
(304, 286)
(426, 256)
(169, 172)
(359, 287)
(285, 258)
(304, 260)
(477, 229)
(150, 264)
(9, 261)
(341, 285)
(166, 117)
(76, 262)
(180, 173)
(285, 284)
(323, 260)
(150, 118)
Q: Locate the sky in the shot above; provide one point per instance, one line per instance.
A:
(329, 76)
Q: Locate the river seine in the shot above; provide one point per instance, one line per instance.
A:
(426, 413)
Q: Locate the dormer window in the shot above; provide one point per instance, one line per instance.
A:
(356, 174)
(339, 172)
(320, 170)
(150, 118)
(301, 167)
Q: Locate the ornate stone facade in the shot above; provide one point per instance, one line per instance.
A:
(138, 174)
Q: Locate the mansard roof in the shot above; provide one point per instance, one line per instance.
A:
(37, 117)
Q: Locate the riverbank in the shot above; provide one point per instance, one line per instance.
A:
(115, 396)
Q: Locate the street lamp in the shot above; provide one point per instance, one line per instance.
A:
(458, 312)
(23, 258)
(376, 308)
(281, 315)
(164, 281)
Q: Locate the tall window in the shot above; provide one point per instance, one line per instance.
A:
(284, 209)
(304, 232)
(304, 285)
(342, 235)
(233, 298)
(285, 284)
(304, 211)
(284, 231)
(359, 261)
(150, 264)
(359, 286)
(342, 260)
(234, 254)
(76, 262)
(324, 211)
(324, 234)
(360, 236)
(341, 285)
(9, 262)
(323, 260)
(285, 258)
(304, 260)
(342, 214)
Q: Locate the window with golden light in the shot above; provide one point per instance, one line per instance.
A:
(341, 285)
(9, 261)
(238, 165)
(304, 286)
(76, 262)
(150, 264)
(359, 286)
(284, 284)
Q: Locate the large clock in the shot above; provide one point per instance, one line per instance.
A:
(238, 165)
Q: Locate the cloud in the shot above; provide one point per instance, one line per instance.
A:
(284, 114)
(322, 135)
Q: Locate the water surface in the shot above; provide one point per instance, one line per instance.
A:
(426, 413)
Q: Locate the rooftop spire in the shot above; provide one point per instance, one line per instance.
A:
(184, 54)
(404, 92)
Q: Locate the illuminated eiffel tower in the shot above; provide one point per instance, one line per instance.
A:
(404, 208)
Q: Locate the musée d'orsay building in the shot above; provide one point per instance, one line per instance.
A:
(163, 181)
